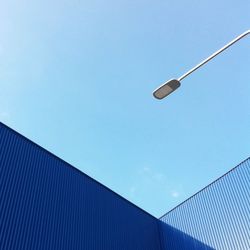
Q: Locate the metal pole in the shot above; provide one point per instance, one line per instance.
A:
(214, 54)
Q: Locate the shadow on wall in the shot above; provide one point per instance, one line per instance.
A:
(175, 239)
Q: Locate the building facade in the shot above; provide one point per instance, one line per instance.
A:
(45, 203)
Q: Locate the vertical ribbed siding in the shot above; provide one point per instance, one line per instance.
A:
(217, 217)
(47, 204)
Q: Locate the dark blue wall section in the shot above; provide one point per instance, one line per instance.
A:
(218, 217)
(47, 204)
(175, 239)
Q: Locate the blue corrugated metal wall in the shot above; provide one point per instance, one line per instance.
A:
(218, 217)
(47, 204)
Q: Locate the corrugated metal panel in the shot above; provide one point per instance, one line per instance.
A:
(47, 204)
(218, 217)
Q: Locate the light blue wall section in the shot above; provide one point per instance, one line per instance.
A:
(217, 217)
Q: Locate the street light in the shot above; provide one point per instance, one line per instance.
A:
(171, 85)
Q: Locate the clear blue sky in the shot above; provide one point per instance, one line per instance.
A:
(77, 78)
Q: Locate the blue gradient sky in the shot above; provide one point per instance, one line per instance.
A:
(77, 78)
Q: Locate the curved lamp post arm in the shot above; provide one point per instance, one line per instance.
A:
(171, 85)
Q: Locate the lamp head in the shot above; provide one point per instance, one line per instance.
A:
(166, 88)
